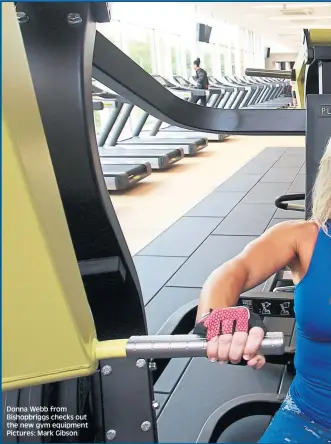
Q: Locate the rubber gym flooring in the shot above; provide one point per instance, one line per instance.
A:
(173, 268)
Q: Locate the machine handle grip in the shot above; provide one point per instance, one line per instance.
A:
(273, 73)
(179, 346)
(282, 202)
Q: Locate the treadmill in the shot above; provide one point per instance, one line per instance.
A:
(251, 97)
(271, 96)
(185, 93)
(231, 101)
(122, 175)
(269, 89)
(159, 157)
(122, 109)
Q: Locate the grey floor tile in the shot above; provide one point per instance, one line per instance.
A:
(294, 161)
(211, 254)
(154, 272)
(280, 175)
(299, 185)
(217, 204)
(182, 238)
(266, 193)
(246, 220)
(284, 214)
(165, 303)
(240, 182)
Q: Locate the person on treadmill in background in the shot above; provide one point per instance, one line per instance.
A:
(202, 82)
(304, 246)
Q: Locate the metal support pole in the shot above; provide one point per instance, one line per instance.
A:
(213, 99)
(141, 122)
(248, 96)
(232, 98)
(106, 129)
(120, 124)
(239, 98)
(255, 96)
(224, 100)
(156, 127)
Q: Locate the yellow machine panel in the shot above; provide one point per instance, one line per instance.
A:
(300, 76)
(317, 37)
(48, 330)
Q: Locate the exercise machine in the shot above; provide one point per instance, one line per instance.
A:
(160, 157)
(186, 93)
(114, 125)
(82, 277)
(193, 144)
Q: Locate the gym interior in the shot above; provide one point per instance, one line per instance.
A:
(130, 190)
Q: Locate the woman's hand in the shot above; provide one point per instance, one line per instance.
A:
(233, 348)
(233, 334)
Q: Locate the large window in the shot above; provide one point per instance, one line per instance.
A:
(138, 44)
(242, 62)
(222, 64)
(112, 31)
(174, 60)
(188, 64)
(204, 51)
(208, 64)
(233, 63)
(168, 58)
(161, 38)
(140, 52)
(174, 44)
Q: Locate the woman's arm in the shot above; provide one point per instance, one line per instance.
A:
(263, 257)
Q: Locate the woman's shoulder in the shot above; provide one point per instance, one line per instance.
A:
(298, 229)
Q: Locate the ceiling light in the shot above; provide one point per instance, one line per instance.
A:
(292, 5)
(299, 17)
(307, 26)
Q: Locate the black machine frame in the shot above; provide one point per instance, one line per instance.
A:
(61, 42)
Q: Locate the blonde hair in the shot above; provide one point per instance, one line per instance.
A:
(321, 212)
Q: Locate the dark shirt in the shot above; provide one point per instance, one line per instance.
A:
(201, 78)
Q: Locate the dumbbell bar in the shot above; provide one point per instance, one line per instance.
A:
(178, 346)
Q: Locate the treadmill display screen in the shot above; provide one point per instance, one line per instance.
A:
(181, 81)
(161, 80)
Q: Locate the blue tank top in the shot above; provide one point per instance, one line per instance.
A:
(311, 387)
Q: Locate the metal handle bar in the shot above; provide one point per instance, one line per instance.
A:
(273, 73)
(178, 346)
(281, 202)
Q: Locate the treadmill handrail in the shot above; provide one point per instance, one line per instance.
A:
(222, 87)
(129, 80)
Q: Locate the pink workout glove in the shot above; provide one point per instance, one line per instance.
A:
(228, 321)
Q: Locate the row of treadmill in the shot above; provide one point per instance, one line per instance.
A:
(155, 145)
